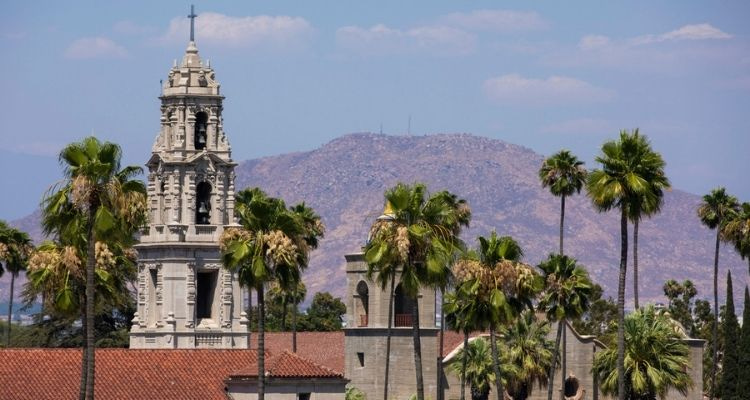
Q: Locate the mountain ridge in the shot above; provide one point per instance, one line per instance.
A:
(344, 181)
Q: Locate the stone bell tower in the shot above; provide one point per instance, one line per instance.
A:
(365, 334)
(186, 299)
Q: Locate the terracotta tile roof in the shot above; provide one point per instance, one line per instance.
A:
(289, 365)
(454, 339)
(324, 348)
(121, 374)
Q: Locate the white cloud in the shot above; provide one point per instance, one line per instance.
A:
(380, 39)
(496, 20)
(515, 89)
(579, 126)
(95, 47)
(593, 42)
(687, 32)
(239, 31)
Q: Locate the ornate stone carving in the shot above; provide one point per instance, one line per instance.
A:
(226, 299)
(190, 291)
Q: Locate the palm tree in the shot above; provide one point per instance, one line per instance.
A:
(498, 288)
(282, 296)
(105, 201)
(657, 359)
(15, 249)
(715, 212)
(271, 245)
(476, 367)
(565, 297)
(651, 167)
(737, 231)
(564, 175)
(620, 182)
(462, 317)
(528, 350)
(419, 240)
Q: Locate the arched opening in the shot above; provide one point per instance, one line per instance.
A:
(362, 305)
(402, 307)
(203, 203)
(201, 126)
(572, 389)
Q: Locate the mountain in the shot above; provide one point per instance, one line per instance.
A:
(344, 181)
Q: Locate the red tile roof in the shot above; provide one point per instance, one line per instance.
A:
(289, 365)
(324, 348)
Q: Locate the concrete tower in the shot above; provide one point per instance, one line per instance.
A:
(366, 333)
(186, 299)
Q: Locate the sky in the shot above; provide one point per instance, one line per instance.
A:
(296, 75)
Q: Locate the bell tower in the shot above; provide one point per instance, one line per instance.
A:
(186, 299)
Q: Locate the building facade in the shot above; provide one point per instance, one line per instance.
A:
(185, 298)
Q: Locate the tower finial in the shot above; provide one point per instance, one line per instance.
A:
(192, 22)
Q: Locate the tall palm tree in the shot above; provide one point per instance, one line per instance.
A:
(737, 231)
(270, 245)
(462, 316)
(651, 167)
(620, 182)
(715, 212)
(283, 297)
(419, 240)
(564, 175)
(657, 359)
(107, 203)
(527, 349)
(565, 297)
(499, 287)
(15, 249)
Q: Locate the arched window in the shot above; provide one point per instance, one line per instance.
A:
(203, 203)
(402, 307)
(201, 126)
(362, 306)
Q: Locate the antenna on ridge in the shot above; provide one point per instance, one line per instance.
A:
(381, 128)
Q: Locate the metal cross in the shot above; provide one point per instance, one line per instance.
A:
(192, 23)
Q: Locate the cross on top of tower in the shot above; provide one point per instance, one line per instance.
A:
(192, 23)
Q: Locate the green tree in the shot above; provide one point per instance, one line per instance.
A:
(418, 238)
(527, 349)
(622, 181)
(730, 362)
(462, 317)
(657, 359)
(737, 231)
(324, 313)
(271, 245)
(743, 378)
(680, 306)
(497, 288)
(96, 201)
(477, 368)
(283, 297)
(565, 297)
(15, 249)
(651, 168)
(715, 211)
(564, 175)
(599, 319)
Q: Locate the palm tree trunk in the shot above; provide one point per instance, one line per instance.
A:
(715, 355)
(10, 307)
(635, 263)
(463, 365)
(440, 394)
(294, 329)
(562, 221)
(621, 305)
(261, 345)
(90, 265)
(84, 364)
(250, 316)
(496, 363)
(551, 378)
(283, 314)
(388, 338)
(417, 348)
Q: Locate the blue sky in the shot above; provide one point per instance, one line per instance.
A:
(545, 75)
